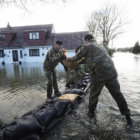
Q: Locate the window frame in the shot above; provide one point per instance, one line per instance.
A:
(2, 37)
(34, 52)
(21, 54)
(34, 36)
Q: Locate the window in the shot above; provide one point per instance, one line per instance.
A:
(33, 52)
(1, 53)
(21, 55)
(2, 38)
(34, 35)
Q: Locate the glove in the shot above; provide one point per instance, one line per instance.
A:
(64, 57)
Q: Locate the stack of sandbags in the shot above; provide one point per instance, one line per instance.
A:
(33, 124)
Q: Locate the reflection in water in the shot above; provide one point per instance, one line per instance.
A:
(23, 87)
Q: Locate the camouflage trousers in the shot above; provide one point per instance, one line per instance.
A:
(113, 87)
(51, 83)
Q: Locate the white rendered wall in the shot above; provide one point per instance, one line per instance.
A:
(1, 59)
(8, 57)
(35, 59)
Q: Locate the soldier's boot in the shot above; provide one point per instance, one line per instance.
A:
(130, 123)
(55, 86)
(57, 93)
(56, 90)
(49, 95)
(49, 91)
(91, 113)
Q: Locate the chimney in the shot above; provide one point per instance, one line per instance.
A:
(8, 26)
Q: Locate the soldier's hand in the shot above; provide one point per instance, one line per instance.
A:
(64, 57)
(68, 59)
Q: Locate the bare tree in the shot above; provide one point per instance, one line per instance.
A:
(106, 24)
(23, 3)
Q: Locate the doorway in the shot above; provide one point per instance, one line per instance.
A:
(15, 55)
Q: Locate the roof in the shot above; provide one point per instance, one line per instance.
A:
(47, 27)
(18, 41)
(71, 40)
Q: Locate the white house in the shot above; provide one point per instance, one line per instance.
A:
(31, 43)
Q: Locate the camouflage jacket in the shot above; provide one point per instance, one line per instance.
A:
(98, 61)
(77, 50)
(52, 59)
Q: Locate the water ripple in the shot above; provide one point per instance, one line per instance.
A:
(23, 88)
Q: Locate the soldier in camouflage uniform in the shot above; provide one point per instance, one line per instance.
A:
(102, 72)
(53, 57)
(82, 68)
(77, 73)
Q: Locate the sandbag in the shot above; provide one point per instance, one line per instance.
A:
(53, 124)
(2, 134)
(81, 84)
(74, 91)
(86, 80)
(22, 127)
(46, 105)
(68, 96)
(78, 91)
(62, 106)
(45, 116)
(31, 137)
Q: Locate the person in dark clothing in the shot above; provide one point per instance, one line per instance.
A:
(53, 57)
(102, 73)
(76, 74)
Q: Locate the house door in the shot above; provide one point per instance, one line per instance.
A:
(15, 55)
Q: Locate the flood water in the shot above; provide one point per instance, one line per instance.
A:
(23, 88)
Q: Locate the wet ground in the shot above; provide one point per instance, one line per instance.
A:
(23, 88)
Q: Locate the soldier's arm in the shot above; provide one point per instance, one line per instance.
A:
(65, 67)
(82, 52)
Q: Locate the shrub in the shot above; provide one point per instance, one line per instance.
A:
(136, 48)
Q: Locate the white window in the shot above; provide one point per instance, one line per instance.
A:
(33, 52)
(34, 35)
(21, 55)
(2, 38)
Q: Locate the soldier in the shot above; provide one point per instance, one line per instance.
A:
(102, 72)
(53, 57)
(77, 72)
(82, 67)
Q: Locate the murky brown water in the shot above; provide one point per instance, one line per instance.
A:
(23, 88)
